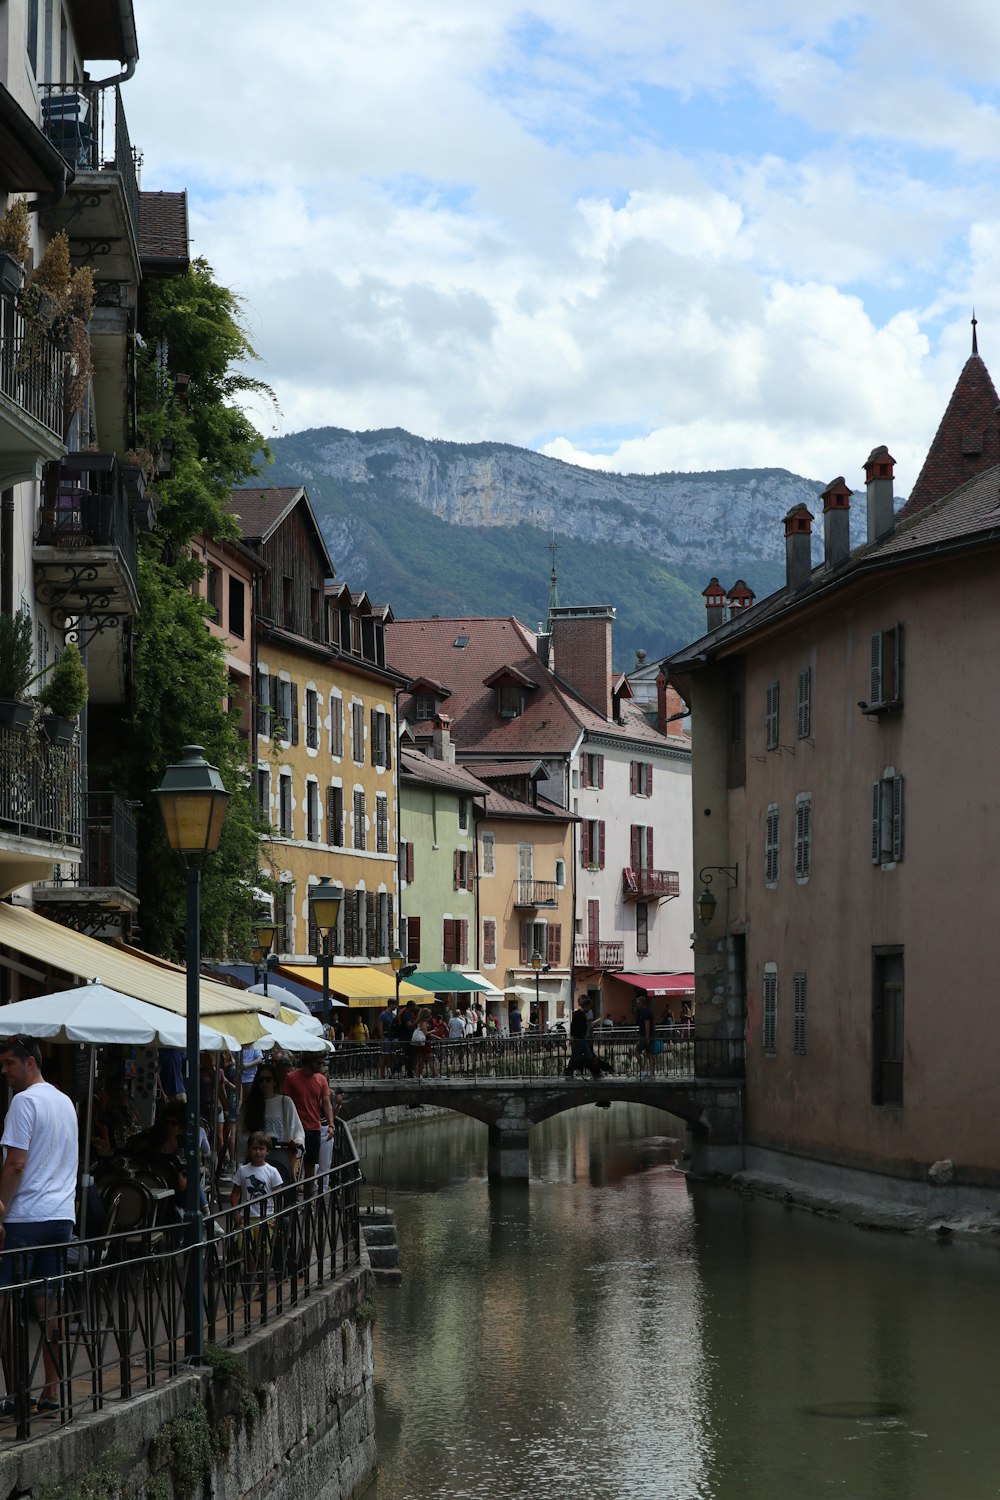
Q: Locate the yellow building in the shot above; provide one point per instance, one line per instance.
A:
(325, 729)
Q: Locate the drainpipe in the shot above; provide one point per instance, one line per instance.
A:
(126, 16)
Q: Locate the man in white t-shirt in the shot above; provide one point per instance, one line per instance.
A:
(37, 1193)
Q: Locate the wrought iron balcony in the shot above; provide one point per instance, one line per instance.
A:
(661, 885)
(598, 954)
(86, 545)
(87, 125)
(103, 887)
(31, 381)
(536, 893)
(40, 789)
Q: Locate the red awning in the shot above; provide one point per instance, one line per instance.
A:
(659, 984)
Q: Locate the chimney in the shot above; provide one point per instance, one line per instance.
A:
(739, 598)
(581, 652)
(661, 703)
(836, 523)
(441, 747)
(878, 477)
(798, 548)
(715, 604)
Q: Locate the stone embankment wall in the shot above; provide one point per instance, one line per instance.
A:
(289, 1414)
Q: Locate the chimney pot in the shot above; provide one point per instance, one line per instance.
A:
(836, 522)
(879, 470)
(740, 597)
(798, 547)
(715, 603)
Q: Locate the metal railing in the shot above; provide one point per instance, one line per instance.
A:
(116, 1318)
(85, 504)
(110, 848)
(599, 954)
(40, 787)
(639, 883)
(31, 368)
(536, 893)
(678, 1055)
(93, 137)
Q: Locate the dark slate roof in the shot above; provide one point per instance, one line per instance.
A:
(966, 443)
(260, 510)
(163, 230)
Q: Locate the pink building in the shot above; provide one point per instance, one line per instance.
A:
(847, 822)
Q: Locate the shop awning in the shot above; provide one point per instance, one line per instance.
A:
(360, 985)
(447, 981)
(490, 991)
(84, 958)
(659, 984)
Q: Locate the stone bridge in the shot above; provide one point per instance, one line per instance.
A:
(712, 1107)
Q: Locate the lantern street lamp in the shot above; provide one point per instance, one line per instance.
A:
(708, 901)
(193, 801)
(536, 964)
(264, 931)
(324, 909)
(401, 970)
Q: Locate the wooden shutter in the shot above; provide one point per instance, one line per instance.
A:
(600, 843)
(455, 871)
(875, 689)
(382, 825)
(409, 864)
(293, 712)
(413, 940)
(489, 941)
(373, 737)
(584, 770)
(600, 771)
(897, 817)
(331, 815)
(649, 778)
(649, 848)
(371, 924)
(585, 843)
(352, 924)
(525, 950)
(553, 943)
(388, 741)
(448, 941)
(803, 837)
(771, 834)
(337, 725)
(469, 881)
(799, 1042)
(897, 664)
(462, 940)
(804, 717)
(771, 722)
(770, 1017)
(633, 777)
(877, 823)
(634, 848)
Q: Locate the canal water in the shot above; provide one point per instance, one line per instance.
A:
(614, 1332)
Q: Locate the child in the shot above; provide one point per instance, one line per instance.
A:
(256, 1179)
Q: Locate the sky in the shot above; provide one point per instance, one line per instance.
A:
(642, 236)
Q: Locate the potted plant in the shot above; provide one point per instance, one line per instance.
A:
(15, 245)
(16, 669)
(63, 696)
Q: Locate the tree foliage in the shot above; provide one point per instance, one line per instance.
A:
(191, 326)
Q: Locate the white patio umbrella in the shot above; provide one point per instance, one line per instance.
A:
(290, 1001)
(295, 1038)
(98, 1015)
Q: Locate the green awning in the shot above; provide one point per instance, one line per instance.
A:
(449, 980)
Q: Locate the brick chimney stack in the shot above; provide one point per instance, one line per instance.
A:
(836, 523)
(739, 598)
(581, 652)
(661, 703)
(879, 471)
(715, 604)
(441, 747)
(798, 548)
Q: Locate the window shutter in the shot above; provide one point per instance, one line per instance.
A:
(770, 1017)
(331, 815)
(409, 864)
(600, 771)
(337, 712)
(388, 742)
(388, 924)
(634, 856)
(525, 955)
(649, 778)
(351, 933)
(875, 692)
(489, 941)
(897, 665)
(469, 882)
(371, 924)
(771, 717)
(803, 837)
(584, 770)
(600, 854)
(455, 871)
(771, 834)
(293, 699)
(585, 844)
(805, 704)
(448, 941)
(553, 943)
(799, 1042)
(462, 940)
(897, 817)
(413, 940)
(876, 823)
(373, 737)
(649, 848)
(633, 777)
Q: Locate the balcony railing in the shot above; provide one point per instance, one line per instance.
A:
(88, 127)
(536, 893)
(31, 368)
(85, 505)
(110, 849)
(40, 788)
(637, 884)
(599, 954)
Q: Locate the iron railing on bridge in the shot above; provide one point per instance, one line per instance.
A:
(117, 1320)
(678, 1055)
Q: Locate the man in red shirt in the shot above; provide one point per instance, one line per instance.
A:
(309, 1090)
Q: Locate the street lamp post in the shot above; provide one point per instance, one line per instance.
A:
(264, 932)
(324, 908)
(536, 964)
(193, 802)
(401, 970)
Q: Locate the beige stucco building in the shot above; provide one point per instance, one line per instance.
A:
(847, 821)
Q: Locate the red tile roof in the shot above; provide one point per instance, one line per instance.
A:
(259, 510)
(966, 443)
(163, 228)
(440, 773)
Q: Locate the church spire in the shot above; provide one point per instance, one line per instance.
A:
(975, 345)
(553, 585)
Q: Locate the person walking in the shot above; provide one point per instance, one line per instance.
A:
(383, 1030)
(37, 1195)
(309, 1090)
(582, 1053)
(647, 1036)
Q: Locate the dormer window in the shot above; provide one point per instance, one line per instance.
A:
(509, 700)
(424, 706)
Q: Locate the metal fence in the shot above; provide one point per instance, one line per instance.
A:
(40, 787)
(115, 1322)
(678, 1055)
(31, 368)
(87, 125)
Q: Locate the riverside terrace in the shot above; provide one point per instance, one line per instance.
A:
(117, 1319)
(512, 1083)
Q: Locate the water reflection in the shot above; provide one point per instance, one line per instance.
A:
(607, 1333)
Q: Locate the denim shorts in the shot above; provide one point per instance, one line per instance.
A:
(41, 1246)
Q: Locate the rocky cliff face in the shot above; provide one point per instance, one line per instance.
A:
(726, 520)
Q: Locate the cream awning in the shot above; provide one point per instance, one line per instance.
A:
(147, 979)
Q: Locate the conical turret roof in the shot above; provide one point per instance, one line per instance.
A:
(967, 441)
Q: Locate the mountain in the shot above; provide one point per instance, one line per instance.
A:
(443, 528)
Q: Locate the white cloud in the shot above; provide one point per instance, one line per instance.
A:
(643, 235)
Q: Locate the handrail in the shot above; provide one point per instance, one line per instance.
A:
(117, 1319)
